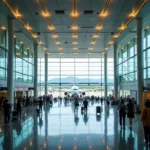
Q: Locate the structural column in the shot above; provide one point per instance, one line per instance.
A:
(10, 67)
(115, 73)
(139, 64)
(35, 68)
(105, 72)
(46, 74)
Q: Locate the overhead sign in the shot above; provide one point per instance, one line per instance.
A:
(21, 89)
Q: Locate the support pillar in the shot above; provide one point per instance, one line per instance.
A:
(115, 73)
(10, 67)
(139, 64)
(105, 72)
(35, 69)
(46, 74)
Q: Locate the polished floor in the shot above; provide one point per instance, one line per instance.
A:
(59, 127)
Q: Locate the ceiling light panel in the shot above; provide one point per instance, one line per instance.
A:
(104, 13)
(75, 27)
(131, 15)
(47, 15)
(17, 14)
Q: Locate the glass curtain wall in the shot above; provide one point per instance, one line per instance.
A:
(127, 62)
(127, 59)
(3, 55)
(63, 73)
(23, 63)
(146, 54)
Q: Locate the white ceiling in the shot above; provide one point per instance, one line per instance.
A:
(118, 12)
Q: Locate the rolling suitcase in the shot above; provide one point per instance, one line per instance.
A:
(14, 115)
(98, 110)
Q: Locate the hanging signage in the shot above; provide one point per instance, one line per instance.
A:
(21, 89)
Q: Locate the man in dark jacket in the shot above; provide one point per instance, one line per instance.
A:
(40, 104)
(7, 111)
(85, 103)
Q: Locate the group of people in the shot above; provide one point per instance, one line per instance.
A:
(129, 109)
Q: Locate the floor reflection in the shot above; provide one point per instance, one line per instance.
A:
(59, 127)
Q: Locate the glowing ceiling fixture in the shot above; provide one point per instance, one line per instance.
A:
(57, 42)
(74, 36)
(122, 27)
(55, 35)
(74, 14)
(51, 28)
(111, 42)
(14, 36)
(147, 27)
(106, 48)
(61, 53)
(59, 48)
(91, 48)
(28, 27)
(116, 35)
(89, 53)
(35, 36)
(93, 42)
(75, 53)
(98, 27)
(48, 53)
(44, 48)
(45, 14)
(17, 14)
(3, 27)
(40, 43)
(75, 48)
(28, 48)
(104, 13)
(75, 43)
(74, 27)
(129, 42)
(21, 42)
(95, 36)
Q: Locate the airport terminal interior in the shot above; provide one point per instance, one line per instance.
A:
(67, 70)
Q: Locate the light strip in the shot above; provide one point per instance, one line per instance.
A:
(18, 16)
(99, 26)
(75, 27)
(51, 27)
(124, 26)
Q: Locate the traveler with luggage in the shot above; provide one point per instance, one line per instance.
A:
(146, 122)
(7, 111)
(19, 107)
(130, 112)
(122, 113)
(85, 104)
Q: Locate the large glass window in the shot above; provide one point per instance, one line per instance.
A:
(66, 72)
(127, 68)
(3, 38)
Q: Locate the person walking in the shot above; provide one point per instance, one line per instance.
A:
(40, 104)
(102, 100)
(85, 103)
(145, 118)
(76, 103)
(19, 108)
(122, 114)
(7, 111)
(130, 112)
